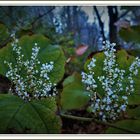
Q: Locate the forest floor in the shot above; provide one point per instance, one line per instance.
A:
(78, 127)
(71, 126)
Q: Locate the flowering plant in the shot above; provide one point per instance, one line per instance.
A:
(34, 65)
(27, 80)
(109, 105)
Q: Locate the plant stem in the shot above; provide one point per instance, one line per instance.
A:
(97, 121)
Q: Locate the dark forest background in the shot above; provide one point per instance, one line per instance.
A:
(83, 25)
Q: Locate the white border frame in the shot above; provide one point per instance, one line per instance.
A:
(69, 3)
(71, 136)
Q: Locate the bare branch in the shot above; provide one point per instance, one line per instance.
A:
(41, 16)
(100, 22)
(124, 14)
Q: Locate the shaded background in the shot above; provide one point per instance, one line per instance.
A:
(75, 27)
(84, 25)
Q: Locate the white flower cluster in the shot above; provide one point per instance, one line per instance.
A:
(28, 80)
(115, 99)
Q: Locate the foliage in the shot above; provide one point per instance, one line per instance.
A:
(110, 86)
(17, 116)
(130, 34)
(36, 82)
(133, 125)
(48, 53)
(37, 116)
(4, 35)
(74, 95)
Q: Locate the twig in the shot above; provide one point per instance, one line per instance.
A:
(41, 16)
(97, 121)
(100, 22)
(124, 14)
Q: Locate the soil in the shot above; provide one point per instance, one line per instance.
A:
(77, 127)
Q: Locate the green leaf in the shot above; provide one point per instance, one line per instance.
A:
(18, 116)
(134, 99)
(124, 60)
(130, 34)
(98, 70)
(134, 112)
(4, 34)
(74, 95)
(132, 125)
(47, 53)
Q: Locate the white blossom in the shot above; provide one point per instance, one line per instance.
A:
(35, 82)
(115, 99)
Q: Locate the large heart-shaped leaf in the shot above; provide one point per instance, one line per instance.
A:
(74, 95)
(130, 126)
(47, 53)
(124, 60)
(18, 116)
